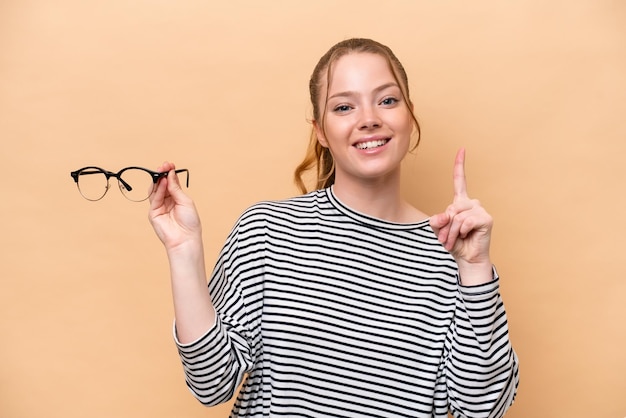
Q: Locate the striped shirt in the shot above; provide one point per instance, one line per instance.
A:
(326, 312)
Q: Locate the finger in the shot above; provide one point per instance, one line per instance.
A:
(468, 226)
(175, 190)
(166, 166)
(173, 181)
(438, 221)
(160, 190)
(444, 235)
(460, 185)
(157, 198)
(455, 231)
(453, 216)
(440, 225)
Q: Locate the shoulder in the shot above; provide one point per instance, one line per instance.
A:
(297, 205)
(293, 209)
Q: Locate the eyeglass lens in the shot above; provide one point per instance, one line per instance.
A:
(135, 184)
(92, 183)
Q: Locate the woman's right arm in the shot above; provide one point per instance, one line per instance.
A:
(175, 220)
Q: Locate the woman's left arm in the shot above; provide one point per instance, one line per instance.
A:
(482, 368)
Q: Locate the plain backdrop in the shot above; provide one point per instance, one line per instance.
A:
(534, 89)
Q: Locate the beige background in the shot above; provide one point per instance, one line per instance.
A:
(536, 91)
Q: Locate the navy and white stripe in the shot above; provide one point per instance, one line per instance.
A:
(328, 312)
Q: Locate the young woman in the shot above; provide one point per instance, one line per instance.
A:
(346, 300)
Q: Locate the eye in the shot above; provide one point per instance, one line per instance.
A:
(389, 101)
(342, 108)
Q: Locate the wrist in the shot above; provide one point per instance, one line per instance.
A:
(473, 274)
(189, 251)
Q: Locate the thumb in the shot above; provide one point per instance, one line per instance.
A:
(439, 221)
(173, 184)
(174, 188)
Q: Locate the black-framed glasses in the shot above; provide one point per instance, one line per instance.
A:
(135, 183)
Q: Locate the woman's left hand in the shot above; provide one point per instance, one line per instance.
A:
(464, 229)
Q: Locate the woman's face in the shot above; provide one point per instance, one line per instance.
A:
(367, 123)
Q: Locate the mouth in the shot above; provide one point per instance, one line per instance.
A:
(371, 144)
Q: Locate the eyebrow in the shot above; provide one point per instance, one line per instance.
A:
(376, 90)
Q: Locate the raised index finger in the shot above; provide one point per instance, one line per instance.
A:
(460, 185)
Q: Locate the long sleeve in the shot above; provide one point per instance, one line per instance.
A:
(482, 371)
(216, 363)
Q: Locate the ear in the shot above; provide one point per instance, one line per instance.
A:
(319, 133)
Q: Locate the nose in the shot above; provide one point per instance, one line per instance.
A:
(369, 118)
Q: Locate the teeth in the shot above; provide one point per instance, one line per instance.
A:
(371, 144)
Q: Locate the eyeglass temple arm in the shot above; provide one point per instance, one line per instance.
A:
(183, 170)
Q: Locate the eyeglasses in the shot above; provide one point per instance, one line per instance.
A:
(135, 183)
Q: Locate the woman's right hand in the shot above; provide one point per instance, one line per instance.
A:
(175, 220)
(173, 214)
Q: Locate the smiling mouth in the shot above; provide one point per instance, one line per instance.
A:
(371, 144)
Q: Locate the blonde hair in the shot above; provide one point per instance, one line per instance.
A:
(318, 157)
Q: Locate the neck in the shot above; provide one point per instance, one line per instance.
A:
(379, 198)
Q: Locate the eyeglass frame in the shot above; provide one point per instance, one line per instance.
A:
(156, 175)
